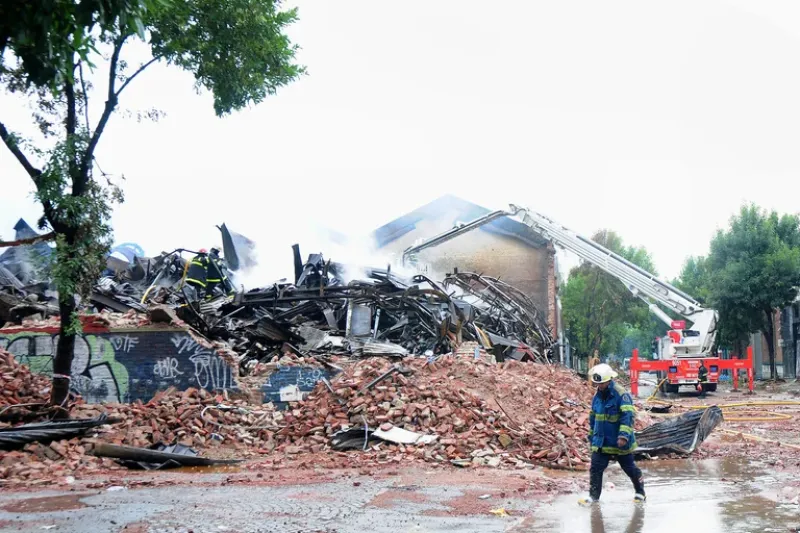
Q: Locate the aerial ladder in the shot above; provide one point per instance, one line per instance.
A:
(680, 352)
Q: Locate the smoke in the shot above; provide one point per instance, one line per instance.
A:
(275, 262)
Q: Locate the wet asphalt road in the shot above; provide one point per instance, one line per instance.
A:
(708, 496)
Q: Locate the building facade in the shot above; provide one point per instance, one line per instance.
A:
(504, 248)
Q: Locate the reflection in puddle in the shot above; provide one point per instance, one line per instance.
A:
(710, 496)
(598, 523)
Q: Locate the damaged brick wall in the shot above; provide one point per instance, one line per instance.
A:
(527, 268)
(126, 365)
(292, 383)
(552, 291)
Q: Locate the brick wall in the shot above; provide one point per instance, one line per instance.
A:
(126, 365)
(552, 289)
(529, 269)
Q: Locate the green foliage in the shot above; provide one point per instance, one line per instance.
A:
(755, 270)
(733, 328)
(598, 310)
(756, 263)
(80, 253)
(641, 338)
(46, 35)
(694, 279)
(236, 49)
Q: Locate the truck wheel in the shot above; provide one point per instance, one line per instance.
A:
(710, 387)
(672, 389)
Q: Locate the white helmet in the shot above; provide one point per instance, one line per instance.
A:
(602, 373)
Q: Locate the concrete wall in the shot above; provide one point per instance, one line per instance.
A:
(126, 365)
(529, 269)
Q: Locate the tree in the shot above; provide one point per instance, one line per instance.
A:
(236, 49)
(733, 327)
(598, 310)
(694, 279)
(755, 270)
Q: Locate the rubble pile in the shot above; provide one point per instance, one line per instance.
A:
(39, 464)
(193, 418)
(385, 314)
(440, 399)
(105, 319)
(457, 409)
(18, 385)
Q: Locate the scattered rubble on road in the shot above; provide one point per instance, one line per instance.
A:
(455, 408)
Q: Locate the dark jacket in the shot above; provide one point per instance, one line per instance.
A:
(702, 374)
(612, 417)
(197, 274)
(217, 276)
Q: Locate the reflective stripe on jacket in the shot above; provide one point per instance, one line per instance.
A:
(216, 276)
(612, 417)
(198, 271)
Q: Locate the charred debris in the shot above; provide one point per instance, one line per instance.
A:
(317, 314)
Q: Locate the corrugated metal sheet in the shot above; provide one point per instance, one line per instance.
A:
(681, 434)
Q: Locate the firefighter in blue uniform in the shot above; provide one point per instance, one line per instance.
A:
(611, 432)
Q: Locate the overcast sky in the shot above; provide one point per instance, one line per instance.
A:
(656, 120)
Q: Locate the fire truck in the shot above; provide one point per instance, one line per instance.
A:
(680, 351)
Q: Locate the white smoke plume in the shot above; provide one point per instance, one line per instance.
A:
(275, 262)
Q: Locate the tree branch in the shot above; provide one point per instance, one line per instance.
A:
(32, 171)
(32, 240)
(111, 103)
(72, 112)
(85, 97)
(138, 71)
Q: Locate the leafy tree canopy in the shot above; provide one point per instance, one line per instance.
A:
(755, 270)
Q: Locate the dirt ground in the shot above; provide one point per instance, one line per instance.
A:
(730, 485)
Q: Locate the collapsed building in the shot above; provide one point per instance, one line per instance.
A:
(445, 365)
(311, 316)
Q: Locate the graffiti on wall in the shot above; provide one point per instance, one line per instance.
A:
(292, 383)
(113, 367)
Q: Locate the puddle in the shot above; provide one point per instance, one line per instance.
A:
(711, 496)
(46, 504)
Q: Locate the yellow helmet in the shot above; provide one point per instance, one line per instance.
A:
(602, 373)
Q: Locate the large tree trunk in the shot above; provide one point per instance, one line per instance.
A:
(770, 335)
(65, 351)
(62, 364)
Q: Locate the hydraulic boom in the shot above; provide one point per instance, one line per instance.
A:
(695, 342)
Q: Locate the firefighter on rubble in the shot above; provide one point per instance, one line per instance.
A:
(611, 432)
(207, 275)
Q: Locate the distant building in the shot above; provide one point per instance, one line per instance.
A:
(21, 265)
(504, 248)
(786, 325)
